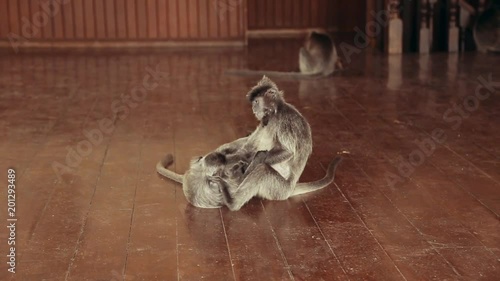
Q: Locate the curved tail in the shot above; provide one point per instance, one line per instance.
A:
(306, 187)
(161, 168)
(247, 72)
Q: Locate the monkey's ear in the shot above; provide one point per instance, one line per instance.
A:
(213, 182)
(279, 94)
(274, 94)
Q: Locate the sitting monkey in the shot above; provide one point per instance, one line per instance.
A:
(284, 143)
(317, 58)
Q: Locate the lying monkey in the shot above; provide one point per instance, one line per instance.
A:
(213, 191)
(201, 182)
(317, 58)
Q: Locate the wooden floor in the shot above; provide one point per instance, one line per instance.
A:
(109, 216)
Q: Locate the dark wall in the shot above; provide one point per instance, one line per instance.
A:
(343, 15)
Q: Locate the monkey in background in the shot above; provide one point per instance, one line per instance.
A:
(317, 58)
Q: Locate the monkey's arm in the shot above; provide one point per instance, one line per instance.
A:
(232, 147)
(277, 155)
(259, 158)
(283, 148)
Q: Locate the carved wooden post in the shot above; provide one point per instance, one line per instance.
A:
(466, 10)
(395, 29)
(481, 6)
(453, 29)
(424, 43)
(432, 3)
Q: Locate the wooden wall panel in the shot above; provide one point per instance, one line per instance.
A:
(182, 15)
(57, 19)
(162, 19)
(204, 7)
(192, 10)
(152, 10)
(142, 19)
(213, 17)
(100, 19)
(110, 15)
(131, 19)
(24, 13)
(125, 20)
(299, 14)
(14, 21)
(78, 19)
(46, 20)
(121, 19)
(4, 19)
(68, 21)
(173, 21)
(89, 19)
(223, 21)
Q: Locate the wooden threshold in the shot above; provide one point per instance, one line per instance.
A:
(123, 44)
(284, 33)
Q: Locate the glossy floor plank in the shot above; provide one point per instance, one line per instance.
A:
(111, 217)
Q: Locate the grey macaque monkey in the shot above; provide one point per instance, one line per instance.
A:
(317, 58)
(284, 144)
(227, 163)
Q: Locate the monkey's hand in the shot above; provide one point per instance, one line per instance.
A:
(214, 182)
(238, 170)
(278, 155)
(223, 187)
(260, 156)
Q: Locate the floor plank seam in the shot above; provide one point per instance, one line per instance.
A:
(82, 229)
(276, 240)
(369, 231)
(326, 240)
(370, 179)
(227, 244)
(127, 248)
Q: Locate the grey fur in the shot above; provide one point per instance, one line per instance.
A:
(317, 58)
(286, 136)
(197, 182)
(277, 152)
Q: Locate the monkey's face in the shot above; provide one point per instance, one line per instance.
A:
(257, 108)
(200, 191)
(263, 107)
(199, 187)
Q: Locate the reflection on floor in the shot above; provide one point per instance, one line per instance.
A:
(417, 197)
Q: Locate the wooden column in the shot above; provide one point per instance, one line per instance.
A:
(453, 33)
(424, 39)
(395, 29)
(432, 5)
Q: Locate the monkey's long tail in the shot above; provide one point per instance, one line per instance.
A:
(161, 168)
(306, 187)
(248, 72)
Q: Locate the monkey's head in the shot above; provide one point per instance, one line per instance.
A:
(265, 98)
(199, 186)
